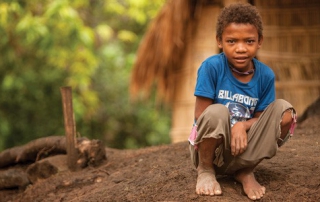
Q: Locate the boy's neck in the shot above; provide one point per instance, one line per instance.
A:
(251, 71)
(244, 77)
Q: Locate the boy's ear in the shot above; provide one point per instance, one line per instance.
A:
(260, 41)
(219, 42)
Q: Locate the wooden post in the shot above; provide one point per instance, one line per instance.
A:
(70, 129)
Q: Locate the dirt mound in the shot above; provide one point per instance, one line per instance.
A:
(165, 173)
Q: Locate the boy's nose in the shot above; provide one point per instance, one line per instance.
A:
(241, 48)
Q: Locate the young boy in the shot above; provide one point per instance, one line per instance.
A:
(238, 122)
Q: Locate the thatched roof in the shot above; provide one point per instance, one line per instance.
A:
(161, 52)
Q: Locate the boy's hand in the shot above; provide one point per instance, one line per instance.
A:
(239, 139)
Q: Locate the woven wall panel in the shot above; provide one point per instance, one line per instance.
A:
(292, 48)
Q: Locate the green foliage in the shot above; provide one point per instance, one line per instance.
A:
(88, 45)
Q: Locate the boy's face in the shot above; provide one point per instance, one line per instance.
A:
(240, 43)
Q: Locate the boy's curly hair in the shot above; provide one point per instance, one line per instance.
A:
(243, 13)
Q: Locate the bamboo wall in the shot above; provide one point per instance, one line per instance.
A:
(201, 45)
(291, 48)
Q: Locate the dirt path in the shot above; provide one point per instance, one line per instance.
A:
(164, 173)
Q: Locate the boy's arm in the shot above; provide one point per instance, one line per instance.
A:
(201, 104)
(249, 122)
(239, 139)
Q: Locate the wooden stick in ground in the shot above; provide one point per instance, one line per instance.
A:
(70, 129)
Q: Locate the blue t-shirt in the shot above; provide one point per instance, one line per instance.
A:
(215, 81)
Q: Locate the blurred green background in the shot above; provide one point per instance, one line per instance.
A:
(89, 45)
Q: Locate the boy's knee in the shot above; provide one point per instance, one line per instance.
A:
(279, 106)
(286, 106)
(214, 114)
(216, 111)
(282, 103)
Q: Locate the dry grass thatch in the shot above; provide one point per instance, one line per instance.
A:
(162, 50)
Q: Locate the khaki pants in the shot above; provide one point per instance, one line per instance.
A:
(214, 122)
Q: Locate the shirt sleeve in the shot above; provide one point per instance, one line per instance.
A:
(205, 85)
(268, 92)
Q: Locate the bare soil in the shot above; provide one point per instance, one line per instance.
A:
(165, 173)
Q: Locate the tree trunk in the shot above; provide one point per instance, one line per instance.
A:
(90, 152)
(47, 167)
(13, 178)
(49, 155)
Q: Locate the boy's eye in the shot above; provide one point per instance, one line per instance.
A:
(250, 41)
(230, 41)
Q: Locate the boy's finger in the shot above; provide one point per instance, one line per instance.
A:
(233, 146)
(237, 148)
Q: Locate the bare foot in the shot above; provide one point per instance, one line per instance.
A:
(207, 184)
(250, 185)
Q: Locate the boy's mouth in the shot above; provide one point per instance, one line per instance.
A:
(241, 59)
